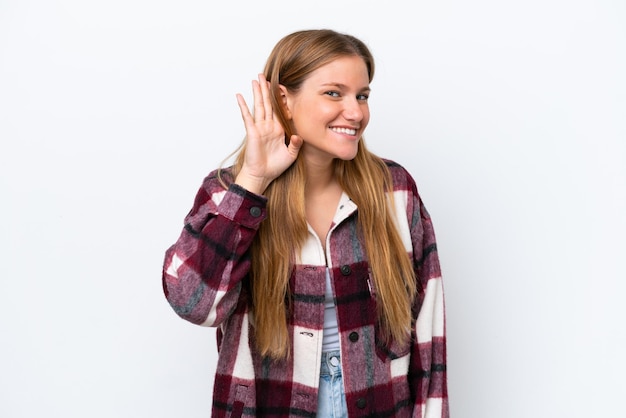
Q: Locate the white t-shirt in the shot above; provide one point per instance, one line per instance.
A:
(330, 341)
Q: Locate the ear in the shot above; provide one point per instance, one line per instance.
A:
(284, 100)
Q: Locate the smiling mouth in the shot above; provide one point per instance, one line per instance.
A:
(348, 131)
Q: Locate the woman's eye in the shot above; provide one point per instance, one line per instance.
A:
(333, 93)
(362, 97)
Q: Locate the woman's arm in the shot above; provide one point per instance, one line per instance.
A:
(204, 270)
(428, 369)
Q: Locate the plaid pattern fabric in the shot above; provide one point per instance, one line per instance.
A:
(205, 279)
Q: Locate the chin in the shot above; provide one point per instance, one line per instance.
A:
(348, 153)
(347, 156)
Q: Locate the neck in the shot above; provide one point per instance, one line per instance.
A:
(319, 176)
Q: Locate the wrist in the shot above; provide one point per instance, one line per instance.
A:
(251, 183)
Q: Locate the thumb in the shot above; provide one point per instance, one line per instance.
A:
(295, 143)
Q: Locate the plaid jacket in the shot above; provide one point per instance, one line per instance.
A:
(205, 278)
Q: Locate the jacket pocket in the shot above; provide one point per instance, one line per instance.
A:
(241, 394)
(385, 351)
(390, 351)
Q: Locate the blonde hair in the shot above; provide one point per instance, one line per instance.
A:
(366, 179)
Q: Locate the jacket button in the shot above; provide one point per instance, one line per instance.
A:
(345, 270)
(255, 211)
(360, 403)
(354, 337)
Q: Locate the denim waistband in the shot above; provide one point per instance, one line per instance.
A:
(331, 363)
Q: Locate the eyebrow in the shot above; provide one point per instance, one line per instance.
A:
(344, 87)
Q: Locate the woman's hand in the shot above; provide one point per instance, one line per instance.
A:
(266, 155)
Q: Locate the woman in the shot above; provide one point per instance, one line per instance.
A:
(315, 258)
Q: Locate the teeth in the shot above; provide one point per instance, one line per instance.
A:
(345, 131)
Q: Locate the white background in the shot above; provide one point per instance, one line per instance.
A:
(510, 115)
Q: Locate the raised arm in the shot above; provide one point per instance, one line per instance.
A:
(204, 270)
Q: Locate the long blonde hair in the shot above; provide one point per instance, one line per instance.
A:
(366, 179)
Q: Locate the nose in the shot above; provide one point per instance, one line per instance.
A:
(353, 109)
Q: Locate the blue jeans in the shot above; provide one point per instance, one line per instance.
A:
(331, 398)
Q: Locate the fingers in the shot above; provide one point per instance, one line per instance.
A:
(259, 108)
(265, 92)
(260, 121)
(245, 112)
(262, 102)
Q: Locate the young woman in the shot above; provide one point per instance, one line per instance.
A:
(315, 259)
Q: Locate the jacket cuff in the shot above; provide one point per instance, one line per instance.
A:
(243, 207)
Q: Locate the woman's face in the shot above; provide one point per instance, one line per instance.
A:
(330, 111)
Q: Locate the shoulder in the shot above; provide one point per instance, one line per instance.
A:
(401, 178)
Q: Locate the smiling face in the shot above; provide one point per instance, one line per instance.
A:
(330, 110)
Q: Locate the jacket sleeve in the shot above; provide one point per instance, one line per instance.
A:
(427, 372)
(204, 270)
